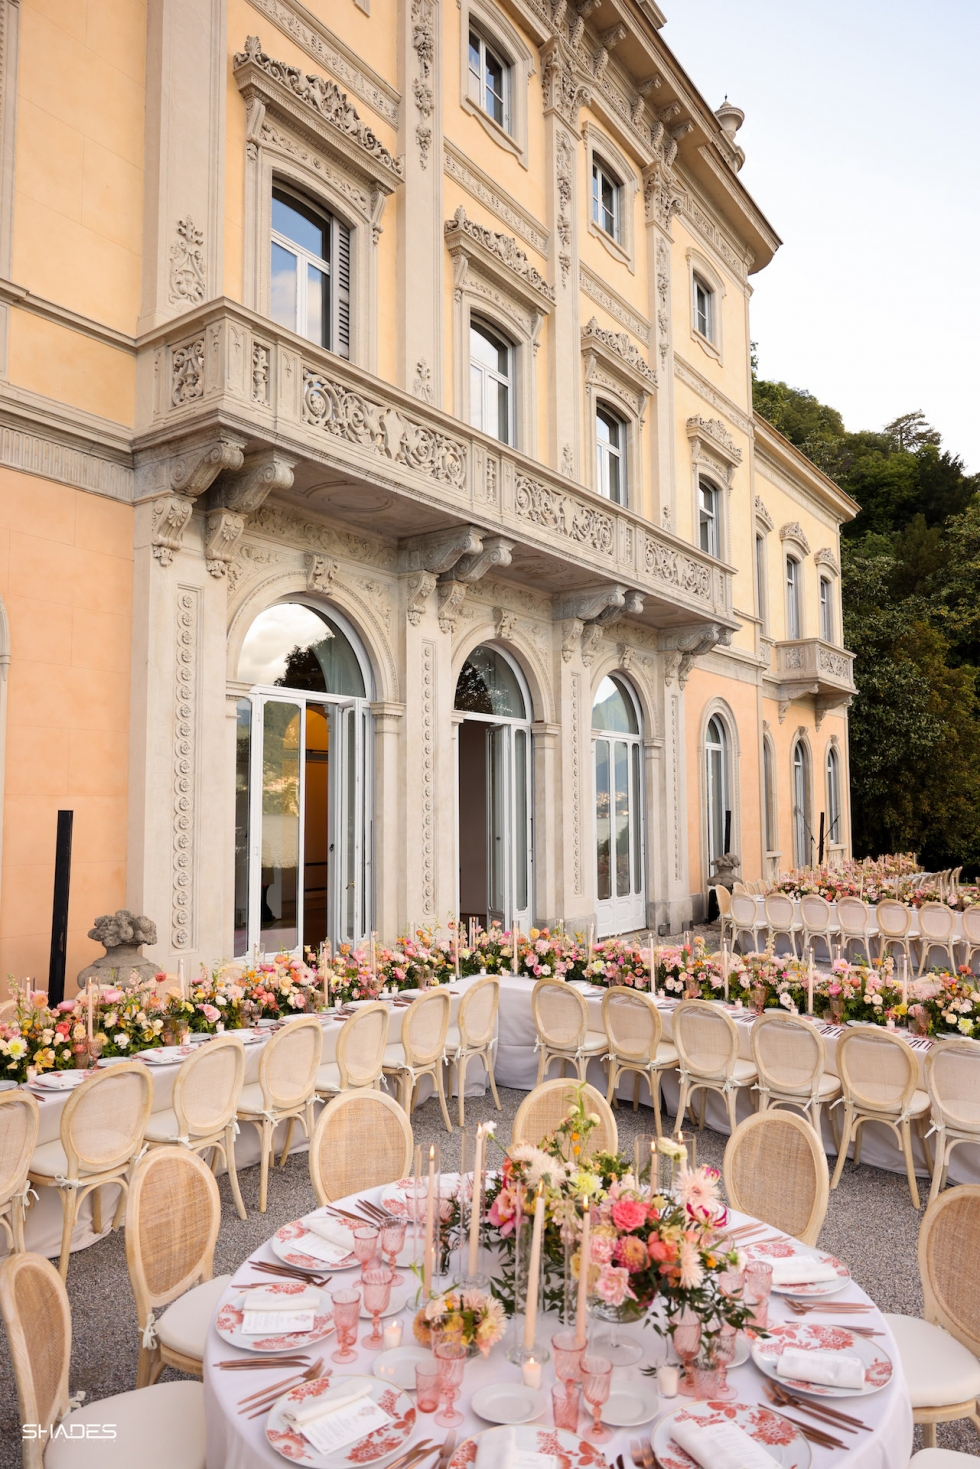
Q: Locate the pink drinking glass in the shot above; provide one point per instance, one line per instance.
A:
(722, 1355)
(569, 1352)
(451, 1357)
(376, 1284)
(346, 1313)
(427, 1387)
(366, 1244)
(755, 1292)
(392, 1243)
(566, 1404)
(687, 1344)
(596, 1377)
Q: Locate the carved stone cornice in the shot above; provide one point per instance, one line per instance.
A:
(620, 355)
(683, 644)
(566, 91)
(318, 108)
(793, 531)
(499, 256)
(713, 446)
(762, 514)
(259, 475)
(441, 550)
(826, 557)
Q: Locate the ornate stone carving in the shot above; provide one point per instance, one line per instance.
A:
(356, 419)
(626, 655)
(782, 708)
(564, 92)
(196, 467)
(715, 431)
(491, 481)
(184, 767)
(591, 603)
(504, 249)
(170, 516)
(825, 557)
(249, 488)
(496, 551)
(687, 643)
(224, 531)
(452, 595)
(793, 531)
(670, 565)
(564, 155)
(318, 43)
(422, 381)
(428, 778)
(563, 514)
(260, 373)
(122, 935)
(188, 282)
(505, 623)
(187, 373)
(440, 551)
(619, 309)
(571, 631)
(568, 461)
(838, 664)
(424, 46)
(663, 301)
(420, 586)
(591, 638)
(663, 195)
(323, 99)
(619, 344)
(320, 572)
(793, 658)
(507, 209)
(576, 723)
(761, 513)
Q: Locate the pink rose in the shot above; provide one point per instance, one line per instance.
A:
(211, 1013)
(65, 1005)
(629, 1214)
(600, 1249)
(613, 1285)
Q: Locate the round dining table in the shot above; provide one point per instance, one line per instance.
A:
(236, 1440)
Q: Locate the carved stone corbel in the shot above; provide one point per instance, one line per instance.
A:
(170, 516)
(320, 572)
(505, 623)
(626, 654)
(195, 468)
(496, 552)
(590, 602)
(690, 642)
(452, 595)
(224, 531)
(591, 638)
(571, 631)
(671, 665)
(235, 494)
(440, 551)
(420, 587)
(632, 603)
(783, 708)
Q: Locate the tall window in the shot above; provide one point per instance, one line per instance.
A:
(708, 518)
(760, 578)
(491, 382)
(716, 787)
(769, 794)
(618, 808)
(833, 796)
(610, 446)
(606, 200)
(801, 806)
(310, 292)
(704, 309)
(489, 84)
(793, 578)
(826, 610)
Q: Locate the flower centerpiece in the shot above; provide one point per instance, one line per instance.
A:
(478, 1320)
(37, 1037)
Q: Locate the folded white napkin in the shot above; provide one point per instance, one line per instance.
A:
(831, 1369)
(719, 1445)
(331, 1230)
(801, 1270)
(331, 1402)
(497, 1449)
(265, 1298)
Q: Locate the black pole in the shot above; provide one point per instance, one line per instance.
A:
(728, 832)
(820, 852)
(59, 911)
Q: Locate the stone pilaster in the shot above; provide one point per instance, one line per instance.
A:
(420, 246)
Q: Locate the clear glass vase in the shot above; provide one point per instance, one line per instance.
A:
(608, 1340)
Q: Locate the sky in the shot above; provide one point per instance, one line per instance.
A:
(862, 142)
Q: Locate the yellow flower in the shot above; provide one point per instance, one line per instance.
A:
(586, 1183)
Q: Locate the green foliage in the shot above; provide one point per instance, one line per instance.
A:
(911, 595)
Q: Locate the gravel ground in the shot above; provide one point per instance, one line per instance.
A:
(870, 1223)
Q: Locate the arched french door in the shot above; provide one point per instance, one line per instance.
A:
(716, 790)
(496, 878)
(802, 823)
(617, 771)
(303, 817)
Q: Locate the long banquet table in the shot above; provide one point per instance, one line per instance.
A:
(235, 1441)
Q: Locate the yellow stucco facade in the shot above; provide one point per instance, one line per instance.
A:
(596, 513)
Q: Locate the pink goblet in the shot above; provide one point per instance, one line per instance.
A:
(376, 1283)
(566, 1402)
(451, 1356)
(755, 1292)
(596, 1377)
(569, 1352)
(346, 1312)
(366, 1244)
(687, 1344)
(392, 1242)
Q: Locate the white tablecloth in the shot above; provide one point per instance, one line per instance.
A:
(237, 1442)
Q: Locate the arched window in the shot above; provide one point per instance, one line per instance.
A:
(802, 824)
(607, 194)
(494, 791)
(716, 787)
(769, 793)
(793, 589)
(704, 309)
(618, 808)
(834, 836)
(302, 785)
(709, 529)
(826, 609)
(610, 444)
(310, 272)
(491, 382)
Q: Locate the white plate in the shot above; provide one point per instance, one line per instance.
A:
(817, 1337)
(570, 1451)
(397, 1366)
(632, 1400)
(396, 1305)
(774, 1249)
(291, 1444)
(508, 1402)
(228, 1322)
(106, 1061)
(786, 1444)
(283, 1245)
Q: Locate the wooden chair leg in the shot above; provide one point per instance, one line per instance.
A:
(655, 1078)
(69, 1206)
(290, 1125)
(929, 1435)
(229, 1154)
(731, 1098)
(611, 1084)
(858, 1139)
(906, 1131)
(461, 1088)
(682, 1102)
(96, 1211)
(264, 1164)
(923, 1126)
(488, 1063)
(148, 1359)
(703, 1108)
(937, 1168)
(845, 1142)
(440, 1088)
(542, 1065)
(636, 1091)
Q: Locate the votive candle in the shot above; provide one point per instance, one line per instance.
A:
(531, 1372)
(392, 1335)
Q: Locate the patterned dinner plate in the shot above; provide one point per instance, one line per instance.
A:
(816, 1338)
(779, 1249)
(571, 1451)
(232, 1314)
(291, 1444)
(283, 1244)
(787, 1446)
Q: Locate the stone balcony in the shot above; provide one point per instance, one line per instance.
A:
(811, 666)
(224, 381)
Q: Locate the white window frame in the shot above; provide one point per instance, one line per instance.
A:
(793, 585)
(620, 914)
(602, 153)
(479, 80)
(304, 259)
(832, 768)
(490, 375)
(602, 174)
(700, 269)
(704, 307)
(827, 628)
(510, 49)
(801, 776)
(711, 520)
(606, 452)
(762, 578)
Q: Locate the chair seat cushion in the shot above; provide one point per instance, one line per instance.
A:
(939, 1370)
(49, 1160)
(251, 1099)
(595, 1040)
(157, 1427)
(183, 1327)
(394, 1058)
(453, 1041)
(162, 1126)
(328, 1077)
(940, 1459)
(666, 1054)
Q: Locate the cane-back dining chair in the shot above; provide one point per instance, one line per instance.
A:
(474, 1034)
(561, 1019)
(707, 1043)
(939, 1353)
(815, 917)
(634, 1030)
(879, 1075)
(286, 1089)
(970, 919)
(207, 1091)
(102, 1129)
(550, 1103)
(791, 1059)
(953, 1082)
(724, 900)
(937, 930)
(156, 1427)
(775, 1169)
(781, 918)
(362, 1139)
(857, 925)
(421, 1050)
(894, 921)
(360, 1053)
(172, 1218)
(19, 1121)
(748, 916)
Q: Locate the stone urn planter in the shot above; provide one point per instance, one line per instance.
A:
(122, 935)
